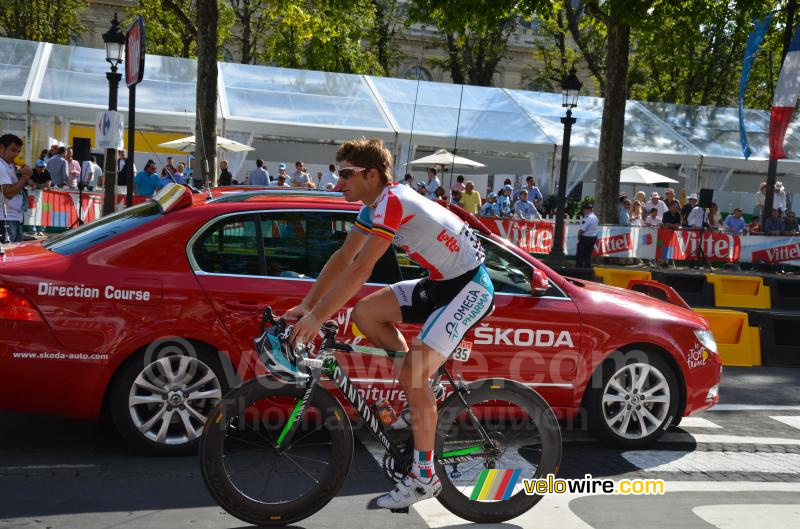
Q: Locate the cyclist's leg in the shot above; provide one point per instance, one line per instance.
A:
(376, 316)
(419, 365)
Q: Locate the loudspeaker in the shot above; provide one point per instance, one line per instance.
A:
(82, 149)
(706, 198)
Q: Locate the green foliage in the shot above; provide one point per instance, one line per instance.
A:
(171, 26)
(53, 21)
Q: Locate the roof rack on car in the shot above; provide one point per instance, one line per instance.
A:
(241, 196)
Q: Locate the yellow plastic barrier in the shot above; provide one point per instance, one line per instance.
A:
(619, 277)
(739, 344)
(740, 291)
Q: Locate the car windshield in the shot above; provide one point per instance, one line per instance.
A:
(88, 235)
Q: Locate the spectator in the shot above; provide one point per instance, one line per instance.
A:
(57, 167)
(282, 171)
(177, 177)
(490, 208)
(687, 209)
(92, 174)
(672, 218)
(636, 213)
(259, 176)
(329, 178)
(504, 200)
(652, 220)
(735, 223)
(300, 178)
(169, 168)
(624, 218)
(714, 217)
(524, 209)
(455, 197)
(433, 182)
(73, 169)
(440, 194)
(754, 228)
(697, 218)
(12, 189)
(761, 197)
(122, 165)
(422, 189)
(41, 176)
(790, 226)
(640, 197)
(51, 153)
(774, 224)
(670, 199)
(533, 192)
(459, 185)
(587, 236)
(146, 180)
(225, 177)
(779, 198)
(656, 202)
(282, 181)
(471, 199)
(409, 180)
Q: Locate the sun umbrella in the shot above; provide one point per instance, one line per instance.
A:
(641, 176)
(187, 144)
(445, 157)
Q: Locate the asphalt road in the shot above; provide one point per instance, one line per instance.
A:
(733, 467)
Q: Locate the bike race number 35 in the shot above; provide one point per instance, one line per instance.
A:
(462, 352)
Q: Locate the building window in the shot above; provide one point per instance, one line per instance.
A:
(418, 72)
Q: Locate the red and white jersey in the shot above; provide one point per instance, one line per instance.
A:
(432, 236)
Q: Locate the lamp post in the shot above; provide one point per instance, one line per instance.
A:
(570, 87)
(114, 40)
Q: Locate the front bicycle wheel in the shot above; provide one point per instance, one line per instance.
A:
(524, 435)
(258, 475)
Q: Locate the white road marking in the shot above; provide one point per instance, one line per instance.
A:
(677, 461)
(553, 510)
(738, 516)
(675, 437)
(698, 422)
(753, 407)
(791, 420)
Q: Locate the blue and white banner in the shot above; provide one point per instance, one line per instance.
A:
(754, 41)
(109, 130)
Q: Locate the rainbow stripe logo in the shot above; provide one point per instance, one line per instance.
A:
(495, 484)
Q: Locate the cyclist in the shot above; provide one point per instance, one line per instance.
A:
(456, 295)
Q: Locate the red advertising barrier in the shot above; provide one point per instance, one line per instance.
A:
(58, 208)
(531, 236)
(779, 254)
(683, 245)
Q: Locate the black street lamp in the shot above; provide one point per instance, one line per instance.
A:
(114, 40)
(570, 87)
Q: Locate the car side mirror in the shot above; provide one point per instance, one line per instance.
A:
(540, 283)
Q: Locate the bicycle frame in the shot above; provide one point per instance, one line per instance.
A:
(334, 372)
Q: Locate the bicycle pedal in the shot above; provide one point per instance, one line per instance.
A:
(403, 510)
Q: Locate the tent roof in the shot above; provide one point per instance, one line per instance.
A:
(70, 81)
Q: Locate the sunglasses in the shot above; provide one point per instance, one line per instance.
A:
(347, 172)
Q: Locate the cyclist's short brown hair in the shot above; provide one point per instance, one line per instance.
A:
(370, 154)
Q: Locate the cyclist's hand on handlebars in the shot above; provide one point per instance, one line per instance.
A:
(305, 330)
(296, 312)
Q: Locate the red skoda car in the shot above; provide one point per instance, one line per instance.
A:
(148, 315)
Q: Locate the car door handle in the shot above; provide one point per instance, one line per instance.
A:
(242, 305)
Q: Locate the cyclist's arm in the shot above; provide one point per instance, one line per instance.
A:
(351, 278)
(341, 260)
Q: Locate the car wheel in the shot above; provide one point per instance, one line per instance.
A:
(162, 396)
(636, 401)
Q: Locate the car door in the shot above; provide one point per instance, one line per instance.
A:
(245, 262)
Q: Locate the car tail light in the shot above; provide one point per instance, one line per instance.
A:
(13, 306)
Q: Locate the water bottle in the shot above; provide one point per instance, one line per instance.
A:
(385, 413)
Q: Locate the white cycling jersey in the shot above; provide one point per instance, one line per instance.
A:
(432, 236)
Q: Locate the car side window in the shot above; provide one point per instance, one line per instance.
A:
(509, 272)
(229, 246)
(298, 244)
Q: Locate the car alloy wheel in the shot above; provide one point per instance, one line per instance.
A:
(171, 397)
(636, 401)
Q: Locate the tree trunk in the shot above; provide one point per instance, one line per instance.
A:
(206, 121)
(612, 130)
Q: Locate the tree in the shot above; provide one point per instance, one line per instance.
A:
(390, 16)
(206, 114)
(53, 21)
(253, 18)
(474, 34)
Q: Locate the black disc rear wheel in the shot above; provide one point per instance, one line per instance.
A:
(261, 483)
(524, 436)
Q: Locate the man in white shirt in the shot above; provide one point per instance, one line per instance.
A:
(779, 198)
(300, 177)
(12, 196)
(587, 236)
(656, 202)
(91, 173)
(697, 218)
(259, 176)
(329, 178)
(433, 183)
